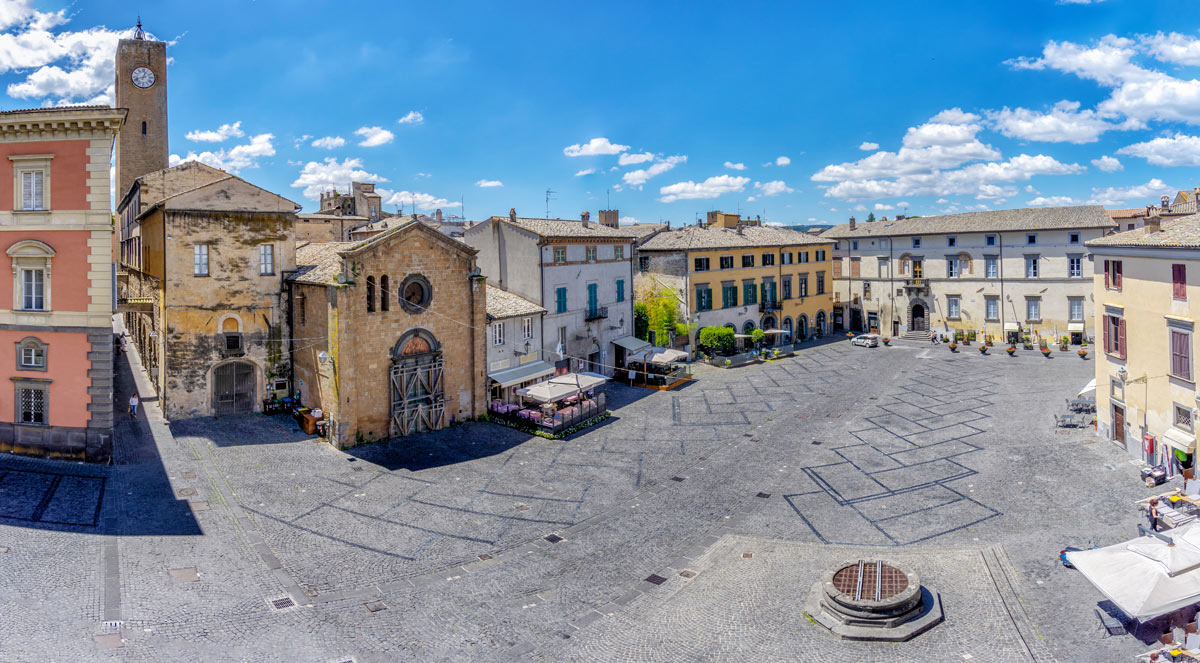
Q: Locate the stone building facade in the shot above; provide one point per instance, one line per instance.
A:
(513, 339)
(204, 254)
(389, 333)
(999, 273)
(56, 283)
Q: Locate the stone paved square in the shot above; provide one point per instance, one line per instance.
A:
(948, 462)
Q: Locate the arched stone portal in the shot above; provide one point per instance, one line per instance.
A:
(418, 402)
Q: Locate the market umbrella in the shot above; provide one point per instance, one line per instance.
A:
(1148, 576)
(1091, 386)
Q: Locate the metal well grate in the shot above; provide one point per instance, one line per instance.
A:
(283, 603)
(655, 579)
(554, 538)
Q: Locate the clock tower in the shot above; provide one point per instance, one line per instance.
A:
(141, 87)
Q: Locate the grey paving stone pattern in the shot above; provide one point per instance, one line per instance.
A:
(689, 526)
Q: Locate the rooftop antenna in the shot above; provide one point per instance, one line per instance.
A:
(549, 193)
(608, 198)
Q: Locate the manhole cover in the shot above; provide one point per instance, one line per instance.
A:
(484, 557)
(554, 538)
(655, 579)
(688, 573)
(748, 555)
(283, 603)
(187, 492)
(109, 641)
(375, 606)
(187, 475)
(676, 478)
(763, 495)
(199, 506)
(179, 576)
(873, 581)
(356, 468)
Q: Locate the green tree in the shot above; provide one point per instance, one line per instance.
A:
(641, 321)
(717, 339)
(663, 311)
(871, 217)
(757, 336)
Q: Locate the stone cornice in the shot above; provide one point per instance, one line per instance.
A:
(59, 123)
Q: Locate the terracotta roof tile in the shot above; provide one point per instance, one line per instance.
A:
(698, 238)
(1183, 232)
(504, 304)
(1031, 218)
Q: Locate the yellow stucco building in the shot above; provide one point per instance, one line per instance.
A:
(742, 276)
(1147, 298)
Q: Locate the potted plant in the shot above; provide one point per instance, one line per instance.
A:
(728, 363)
(953, 347)
(1063, 343)
(1082, 352)
(1027, 343)
(849, 334)
(983, 349)
(886, 340)
(1011, 350)
(1046, 351)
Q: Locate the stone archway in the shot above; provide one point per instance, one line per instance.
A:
(802, 327)
(918, 315)
(417, 398)
(821, 326)
(234, 387)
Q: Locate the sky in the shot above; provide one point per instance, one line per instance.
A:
(796, 112)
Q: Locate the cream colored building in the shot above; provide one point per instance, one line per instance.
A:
(1147, 292)
(999, 273)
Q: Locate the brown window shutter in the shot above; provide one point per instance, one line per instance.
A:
(1106, 275)
(1122, 339)
(1107, 340)
(1118, 276)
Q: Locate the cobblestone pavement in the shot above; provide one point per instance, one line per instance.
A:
(242, 539)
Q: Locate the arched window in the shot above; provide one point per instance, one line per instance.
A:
(370, 294)
(31, 355)
(383, 293)
(31, 271)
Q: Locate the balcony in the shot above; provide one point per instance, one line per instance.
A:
(916, 284)
(763, 307)
(597, 313)
(135, 305)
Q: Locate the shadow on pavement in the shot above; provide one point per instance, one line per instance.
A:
(238, 430)
(451, 446)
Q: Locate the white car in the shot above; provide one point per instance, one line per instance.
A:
(867, 340)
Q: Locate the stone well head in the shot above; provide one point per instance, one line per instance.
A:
(873, 599)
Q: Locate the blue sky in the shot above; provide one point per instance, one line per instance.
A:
(801, 112)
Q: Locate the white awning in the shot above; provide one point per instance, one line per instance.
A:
(1011, 326)
(1146, 577)
(1185, 442)
(1091, 386)
(742, 336)
(1074, 326)
(558, 388)
(631, 343)
(530, 371)
(774, 331)
(659, 356)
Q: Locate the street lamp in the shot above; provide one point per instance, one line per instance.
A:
(1122, 373)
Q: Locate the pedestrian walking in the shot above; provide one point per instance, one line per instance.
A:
(1153, 513)
(133, 403)
(933, 338)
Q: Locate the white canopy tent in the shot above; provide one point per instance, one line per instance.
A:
(657, 355)
(1146, 577)
(561, 386)
(774, 331)
(1091, 386)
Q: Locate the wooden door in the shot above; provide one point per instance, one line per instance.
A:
(1118, 431)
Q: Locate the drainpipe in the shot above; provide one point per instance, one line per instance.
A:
(291, 330)
(891, 283)
(474, 331)
(1000, 241)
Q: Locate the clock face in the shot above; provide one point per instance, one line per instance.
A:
(143, 77)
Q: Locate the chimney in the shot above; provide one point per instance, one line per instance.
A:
(437, 214)
(1165, 200)
(1153, 224)
(512, 214)
(881, 219)
(851, 223)
(1149, 210)
(739, 229)
(585, 217)
(899, 217)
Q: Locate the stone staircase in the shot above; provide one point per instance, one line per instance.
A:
(916, 335)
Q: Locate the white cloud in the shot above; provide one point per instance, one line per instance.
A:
(1150, 191)
(1064, 123)
(329, 142)
(320, 176)
(1052, 201)
(410, 199)
(585, 171)
(1108, 164)
(222, 133)
(413, 117)
(632, 158)
(942, 201)
(1174, 48)
(1177, 150)
(735, 166)
(627, 221)
(594, 147)
(422, 175)
(636, 178)
(773, 188)
(881, 207)
(1079, 2)
(488, 184)
(782, 161)
(235, 158)
(374, 136)
(869, 147)
(709, 188)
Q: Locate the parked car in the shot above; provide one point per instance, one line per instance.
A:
(867, 340)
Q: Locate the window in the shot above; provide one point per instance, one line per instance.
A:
(748, 260)
(620, 290)
(1114, 335)
(1033, 309)
(32, 402)
(643, 263)
(384, 294)
(837, 267)
(1179, 282)
(916, 242)
(302, 306)
(802, 256)
(701, 265)
(785, 258)
(1031, 267)
(787, 287)
(749, 293)
(1183, 417)
(951, 241)
(32, 197)
(415, 294)
(1074, 238)
(726, 262)
(200, 260)
(854, 245)
(233, 343)
(989, 240)
(31, 355)
(1074, 266)
(370, 294)
(33, 290)
(802, 283)
(866, 289)
(589, 254)
(820, 283)
(1181, 353)
(560, 300)
(820, 255)
(593, 300)
(1075, 309)
(1112, 274)
(526, 328)
(562, 338)
(703, 298)
(560, 255)
(768, 292)
(951, 268)
(1031, 239)
(728, 295)
(991, 267)
(266, 259)
(992, 308)
(768, 259)
(952, 306)
(498, 333)
(618, 253)
(1130, 226)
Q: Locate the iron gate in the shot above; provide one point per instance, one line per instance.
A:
(233, 388)
(418, 402)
